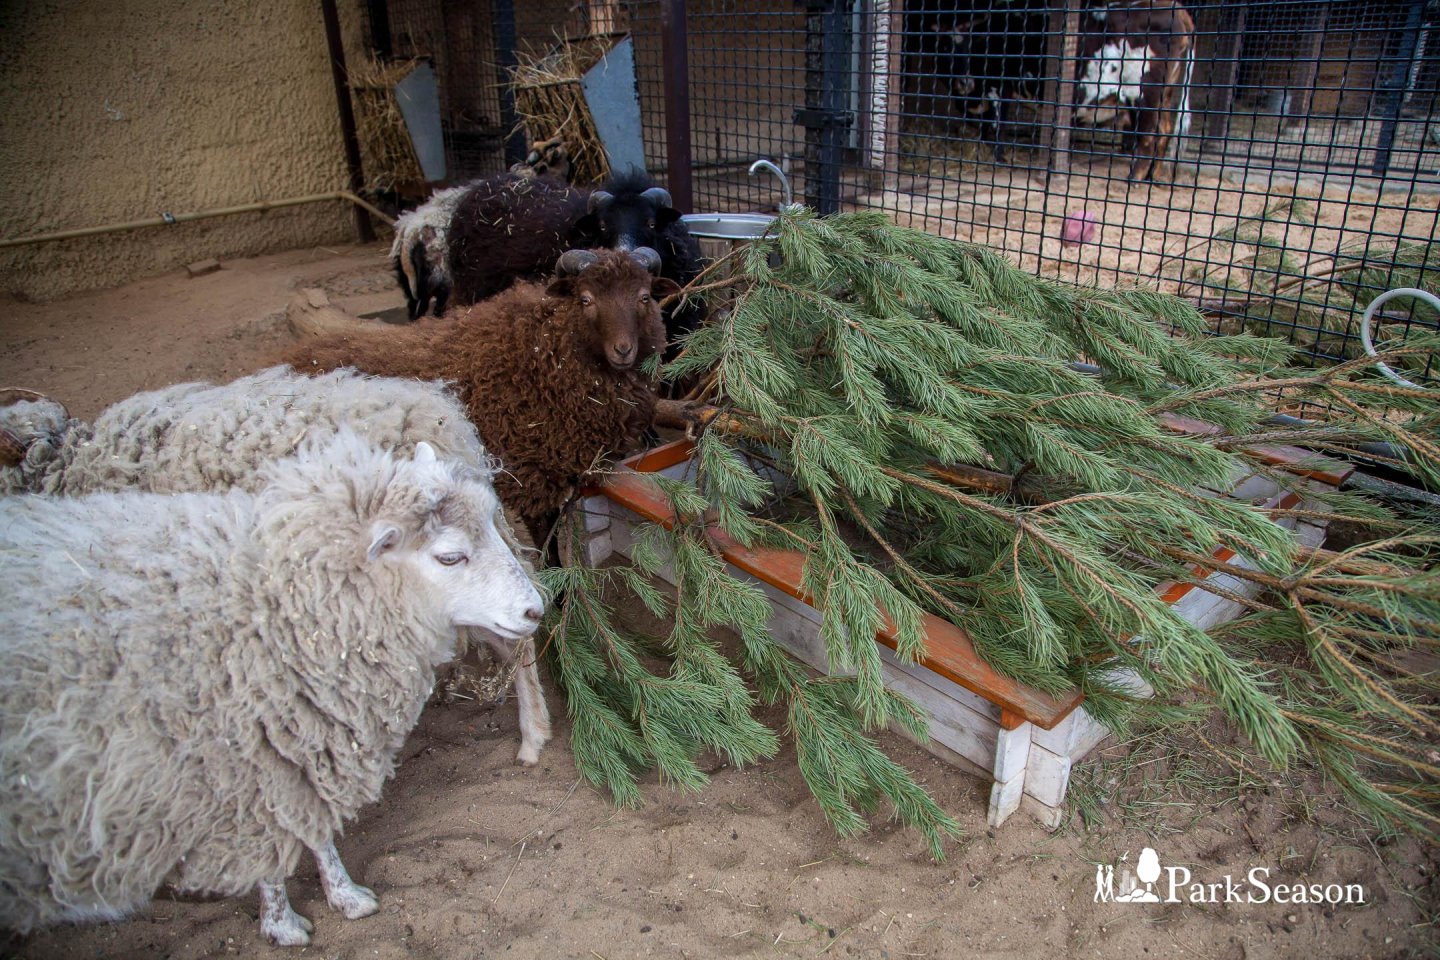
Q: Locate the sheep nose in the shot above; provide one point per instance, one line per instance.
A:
(624, 350)
(534, 614)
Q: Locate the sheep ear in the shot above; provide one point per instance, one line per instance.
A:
(386, 538)
(662, 287)
(424, 453)
(561, 287)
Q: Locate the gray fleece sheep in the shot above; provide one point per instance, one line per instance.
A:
(198, 437)
(198, 687)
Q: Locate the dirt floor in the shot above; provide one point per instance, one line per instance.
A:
(473, 856)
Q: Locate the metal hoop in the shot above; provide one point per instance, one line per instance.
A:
(1424, 295)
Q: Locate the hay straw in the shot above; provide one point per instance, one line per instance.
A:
(386, 151)
(550, 104)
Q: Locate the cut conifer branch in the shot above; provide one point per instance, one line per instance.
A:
(936, 452)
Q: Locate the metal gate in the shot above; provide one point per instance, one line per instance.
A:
(1301, 141)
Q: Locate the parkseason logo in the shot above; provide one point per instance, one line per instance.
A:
(1152, 883)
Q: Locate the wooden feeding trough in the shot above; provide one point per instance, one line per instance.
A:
(1025, 740)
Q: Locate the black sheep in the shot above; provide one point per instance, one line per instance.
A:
(630, 212)
(509, 228)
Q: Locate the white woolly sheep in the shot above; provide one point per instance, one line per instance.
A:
(420, 252)
(198, 437)
(197, 687)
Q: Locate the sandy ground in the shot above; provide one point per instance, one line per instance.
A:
(473, 856)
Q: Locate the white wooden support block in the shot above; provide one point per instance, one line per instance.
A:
(1047, 776)
(1059, 738)
(1088, 736)
(596, 513)
(1049, 817)
(1012, 753)
(598, 548)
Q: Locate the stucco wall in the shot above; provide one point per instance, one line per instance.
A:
(122, 110)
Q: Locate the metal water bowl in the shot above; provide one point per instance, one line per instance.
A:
(727, 226)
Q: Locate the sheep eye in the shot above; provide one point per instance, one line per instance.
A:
(451, 559)
(650, 224)
(586, 300)
(644, 298)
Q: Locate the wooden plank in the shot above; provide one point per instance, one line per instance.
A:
(1047, 776)
(1296, 460)
(1049, 817)
(1005, 799)
(949, 652)
(1013, 753)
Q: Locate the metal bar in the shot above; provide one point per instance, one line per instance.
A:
(827, 87)
(380, 42)
(515, 146)
(1400, 70)
(675, 65)
(351, 140)
(171, 219)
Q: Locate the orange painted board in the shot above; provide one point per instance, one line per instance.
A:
(949, 652)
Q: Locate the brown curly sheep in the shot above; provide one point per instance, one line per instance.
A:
(549, 373)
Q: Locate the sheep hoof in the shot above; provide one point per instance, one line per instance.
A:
(291, 930)
(355, 902)
(529, 755)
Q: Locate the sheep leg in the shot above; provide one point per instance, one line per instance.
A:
(342, 893)
(529, 696)
(530, 699)
(279, 922)
(441, 292)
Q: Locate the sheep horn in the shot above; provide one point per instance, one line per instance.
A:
(572, 262)
(599, 200)
(647, 258)
(658, 196)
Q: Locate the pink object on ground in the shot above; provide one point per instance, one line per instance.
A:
(1078, 228)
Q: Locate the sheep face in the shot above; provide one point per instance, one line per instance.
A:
(619, 305)
(629, 213)
(458, 556)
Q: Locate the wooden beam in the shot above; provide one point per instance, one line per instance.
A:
(949, 651)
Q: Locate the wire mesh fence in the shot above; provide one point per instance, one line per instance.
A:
(1277, 162)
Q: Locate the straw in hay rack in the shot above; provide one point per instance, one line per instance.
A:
(550, 103)
(387, 153)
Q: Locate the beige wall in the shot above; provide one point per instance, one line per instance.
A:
(116, 110)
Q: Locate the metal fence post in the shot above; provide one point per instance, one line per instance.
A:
(675, 65)
(827, 88)
(379, 14)
(351, 140)
(504, 60)
(1402, 68)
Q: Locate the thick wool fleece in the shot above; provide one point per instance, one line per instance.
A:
(198, 436)
(532, 377)
(508, 228)
(201, 686)
(44, 427)
(435, 213)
